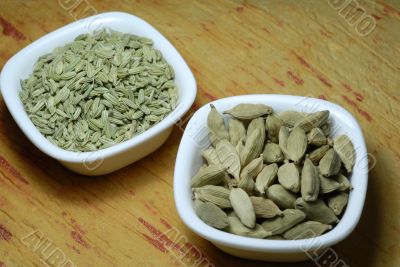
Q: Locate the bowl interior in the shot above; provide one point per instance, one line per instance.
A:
(21, 65)
(189, 160)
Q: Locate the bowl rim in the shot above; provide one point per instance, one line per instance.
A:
(339, 232)
(102, 19)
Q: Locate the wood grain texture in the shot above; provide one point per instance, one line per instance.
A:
(233, 47)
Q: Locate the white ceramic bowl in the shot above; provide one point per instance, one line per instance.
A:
(113, 158)
(189, 160)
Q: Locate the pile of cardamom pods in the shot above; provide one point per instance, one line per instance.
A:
(275, 176)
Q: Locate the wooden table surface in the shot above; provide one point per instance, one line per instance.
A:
(51, 216)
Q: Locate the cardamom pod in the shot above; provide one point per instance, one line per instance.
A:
(288, 177)
(211, 174)
(344, 183)
(328, 185)
(216, 125)
(255, 124)
(310, 183)
(253, 168)
(316, 155)
(345, 149)
(217, 195)
(214, 138)
(265, 208)
(330, 164)
(326, 128)
(313, 120)
(296, 145)
(228, 181)
(236, 227)
(283, 137)
(266, 177)
(338, 202)
(253, 146)
(316, 137)
(317, 211)
(247, 184)
(237, 131)
(272, 153)
(280, 224)
(249, 111)
(239, 147)
(243, 207)
(248, 174)
(272, 125)
(306, 230)
(228, 157)
(211, 157)
(211, 214)
(281, 197)
(291, 117)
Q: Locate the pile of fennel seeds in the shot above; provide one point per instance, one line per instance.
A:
(274, 176)
(100, 90)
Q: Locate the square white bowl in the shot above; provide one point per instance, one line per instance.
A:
(115, 157)
(189, 160)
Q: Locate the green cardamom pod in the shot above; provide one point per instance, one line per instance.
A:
(344, 183)
(317, 211)
(239, 147)
(283, 137)
(289, 177)
(281, 197)
(216, 125)
(296, 145)
(272, 153)
(326, 128)
(316, 137)
(306, 230)
(265, 208)
(211, 157)
(253, 146)
(330, 164)
(211, 174)
(217, 195)
(280, 224)
(266, 177)
(316, 155)
(237, 131)
(313, 120)
(273, 125)
(345, 149)
(255, 124)
(248, 174)
(249, 111)
(338, 202)
(243, 207)
(228, 157)
(291, 117)
(211, 214)
(236, 227)
(252, 169)
(310, 183)
(328, 185)
(247, 184)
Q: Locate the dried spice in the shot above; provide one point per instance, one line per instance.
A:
(301, 192)
(99, 90)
